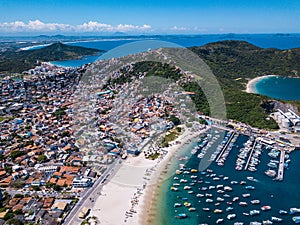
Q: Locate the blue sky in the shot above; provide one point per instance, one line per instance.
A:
(144, 16)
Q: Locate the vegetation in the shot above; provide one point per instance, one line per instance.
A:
(19, 61)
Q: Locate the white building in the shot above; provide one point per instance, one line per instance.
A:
(81, 182)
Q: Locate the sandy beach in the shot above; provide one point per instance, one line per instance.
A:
(127, 198)
(251, 83)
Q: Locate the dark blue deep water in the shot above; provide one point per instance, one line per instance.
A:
(279, 195)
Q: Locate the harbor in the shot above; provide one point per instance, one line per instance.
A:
(224, 194)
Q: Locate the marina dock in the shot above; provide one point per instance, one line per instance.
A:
(249, 158)
(281, 166)
(225, 146)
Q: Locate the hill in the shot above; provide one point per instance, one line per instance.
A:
(230, 60)
(19, 61)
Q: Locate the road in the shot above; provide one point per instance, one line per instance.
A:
(89, 196)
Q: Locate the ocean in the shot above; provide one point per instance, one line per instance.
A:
(279, 88)
(278, 195)
(280, 41)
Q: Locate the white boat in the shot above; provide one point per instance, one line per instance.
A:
(231, 216)
(276, 219)
(254, 212)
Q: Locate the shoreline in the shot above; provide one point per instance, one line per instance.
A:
(250, 87)
(130, 196)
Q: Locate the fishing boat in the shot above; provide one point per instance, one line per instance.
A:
(266, 207)
(276, 219)
(181, 216)
(231, 216)
(296, 219)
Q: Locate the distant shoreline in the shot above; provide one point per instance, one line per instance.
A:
(250, 88)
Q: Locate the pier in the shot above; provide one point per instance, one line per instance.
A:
(248, 161)
(281, 166)
(225, 146)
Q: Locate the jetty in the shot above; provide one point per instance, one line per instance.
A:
(248, 161)
(225, 146)
(281, 166)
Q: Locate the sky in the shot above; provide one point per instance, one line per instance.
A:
(148, 16)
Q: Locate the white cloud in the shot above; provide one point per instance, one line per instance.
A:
(91, 26)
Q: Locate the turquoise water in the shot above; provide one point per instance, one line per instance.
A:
(279, 195)
(279, 88)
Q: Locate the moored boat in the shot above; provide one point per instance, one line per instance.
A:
(266, 207)
(254, 212)
(296, 219)
(181, 216)
(231, 216)
(276, 219)
(255, 202)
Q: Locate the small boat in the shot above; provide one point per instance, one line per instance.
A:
(255, 223)
(177, 205)
(220, 199)
(255, 202)
(235, 199)
(190, 192)
(294, 210)
(238, 223)
(296, 219)
(266, 207)
(267, 222)
(250, 187)
(218, 211)
(200, 195)
(194, 171)
(272, 165)
(234, 182)
(187, 204)
(209, 200)
(228, 209)
(219, 221)
(183, 181)
(181, 216)
(247, 195)
(252, 179)
(208, 195)
(283, 212)
(243, 182)
(245, 214)
(192, 209)
(217, 204)
(176, 184)
(227, 188)
(206, 209)
(186, 187)
(243, 204)
(174, 189)
(231, 216)
(254, 212)
(276, 219)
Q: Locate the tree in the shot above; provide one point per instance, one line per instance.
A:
(42, 158)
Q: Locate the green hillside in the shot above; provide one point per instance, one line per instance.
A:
(19, 61)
